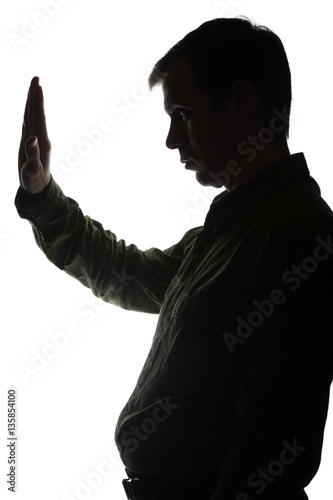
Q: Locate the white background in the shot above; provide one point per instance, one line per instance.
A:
(91, 56)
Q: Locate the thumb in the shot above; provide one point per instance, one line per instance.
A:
(32, 175)
(32, 152)
(31, 146)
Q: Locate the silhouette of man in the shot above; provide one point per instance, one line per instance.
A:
(232, 400)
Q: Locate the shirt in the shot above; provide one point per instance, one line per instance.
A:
(240, 367)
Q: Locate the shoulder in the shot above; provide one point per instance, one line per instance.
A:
(297, 212)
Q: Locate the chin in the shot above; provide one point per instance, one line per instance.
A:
(206, 180)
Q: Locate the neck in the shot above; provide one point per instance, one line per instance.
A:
(255, 158)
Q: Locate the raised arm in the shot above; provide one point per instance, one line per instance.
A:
(118, 273)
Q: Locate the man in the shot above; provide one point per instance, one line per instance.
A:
(232, 401)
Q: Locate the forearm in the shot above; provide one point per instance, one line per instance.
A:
(117, 273)
(45, 211)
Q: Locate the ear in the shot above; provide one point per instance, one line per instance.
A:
(245, 98)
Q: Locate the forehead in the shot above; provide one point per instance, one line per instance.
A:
(178, 85)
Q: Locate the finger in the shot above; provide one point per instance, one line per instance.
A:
(25, 116)
(29, 109)
(39, 116)
(27, 124)
(21, 153)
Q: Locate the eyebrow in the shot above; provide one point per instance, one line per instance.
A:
(169, 106)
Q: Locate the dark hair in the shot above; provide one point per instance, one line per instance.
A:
(225, 50)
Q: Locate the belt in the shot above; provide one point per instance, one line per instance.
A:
(191, 487)
(194, 487)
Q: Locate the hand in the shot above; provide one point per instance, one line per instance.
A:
(34, 159)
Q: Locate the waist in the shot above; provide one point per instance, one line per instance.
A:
(187, 487)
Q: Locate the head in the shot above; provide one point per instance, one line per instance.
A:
(223, 83)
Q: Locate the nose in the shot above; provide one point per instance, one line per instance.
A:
(177, 136)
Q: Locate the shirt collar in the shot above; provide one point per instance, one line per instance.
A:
(286, 171)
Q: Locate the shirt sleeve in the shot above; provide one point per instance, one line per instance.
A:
(117, 273)
(284, 330)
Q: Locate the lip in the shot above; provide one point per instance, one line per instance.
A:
(188, 163)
